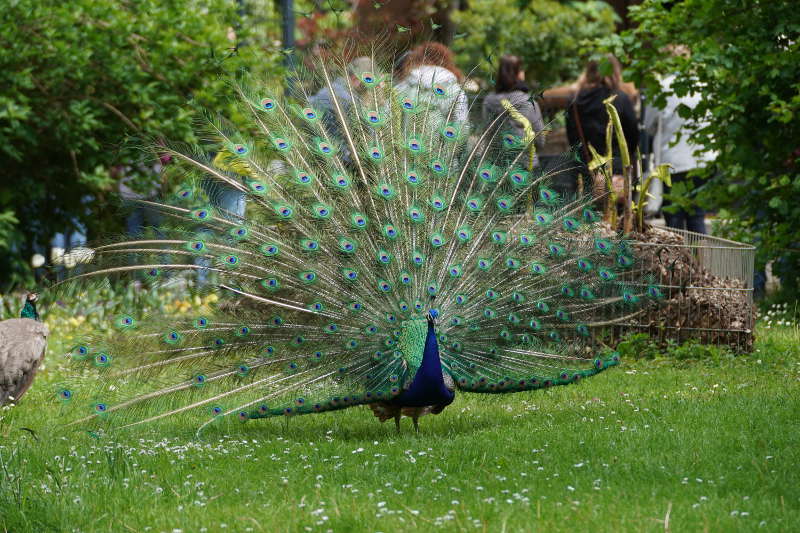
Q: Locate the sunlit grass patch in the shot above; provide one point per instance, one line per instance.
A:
(710, 443)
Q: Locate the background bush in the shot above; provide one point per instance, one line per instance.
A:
(744, 64)
(78, 77)
(551, 37)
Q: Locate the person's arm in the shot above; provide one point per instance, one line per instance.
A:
(559, 97)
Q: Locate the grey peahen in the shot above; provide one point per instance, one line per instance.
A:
(388, 256)
(23, 344)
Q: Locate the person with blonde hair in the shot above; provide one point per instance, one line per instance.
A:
(587, 117)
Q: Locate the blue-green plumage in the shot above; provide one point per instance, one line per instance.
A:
(29, 309)
(428, 386)
(363, 202)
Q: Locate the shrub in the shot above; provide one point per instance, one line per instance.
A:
(551, 37)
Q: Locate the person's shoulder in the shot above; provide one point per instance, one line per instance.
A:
(519, 93)
(492, 100)
(431, 73)
(518, 97)
(622, 97)
(512, 95)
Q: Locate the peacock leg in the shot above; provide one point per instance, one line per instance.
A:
(416, 423)
(397, 421)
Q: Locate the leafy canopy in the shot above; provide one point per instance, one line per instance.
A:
(77, 77)
(744, 62)
(550, 37)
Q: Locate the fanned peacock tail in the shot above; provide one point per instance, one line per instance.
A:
(359, 220)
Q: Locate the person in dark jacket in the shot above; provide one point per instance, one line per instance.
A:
(511, 87)
(587, 117)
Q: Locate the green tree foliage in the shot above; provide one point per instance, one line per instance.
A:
(744, 62)
(551, 37)
(77, 77)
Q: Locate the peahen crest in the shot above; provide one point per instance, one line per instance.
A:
(386, 251)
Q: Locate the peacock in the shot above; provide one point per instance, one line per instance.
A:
(23, 345)
(388, 255)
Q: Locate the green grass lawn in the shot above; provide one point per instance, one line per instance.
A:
(710, 445)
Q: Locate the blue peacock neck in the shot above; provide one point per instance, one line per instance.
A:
(29, 311)
(428, 387)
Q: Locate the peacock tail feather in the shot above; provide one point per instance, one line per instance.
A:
(360, 219)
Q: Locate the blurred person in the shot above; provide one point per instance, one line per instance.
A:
(587, 117)
(342, 91)
(672, 145)
(511, 87)
(430, 65)
(561, 96)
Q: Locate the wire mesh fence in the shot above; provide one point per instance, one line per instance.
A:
(708, 286)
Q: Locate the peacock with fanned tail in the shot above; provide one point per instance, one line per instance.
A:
(388, 256)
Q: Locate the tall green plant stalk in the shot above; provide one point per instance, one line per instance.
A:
(601, 164)
(661, 172)
(627, 168)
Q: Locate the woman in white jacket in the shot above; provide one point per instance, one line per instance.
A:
(671, 146)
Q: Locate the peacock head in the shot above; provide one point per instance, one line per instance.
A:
(433, 314)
